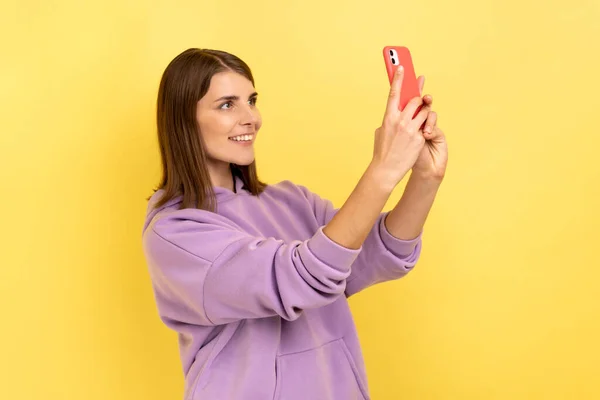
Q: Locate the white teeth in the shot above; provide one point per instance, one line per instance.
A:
(242, 138)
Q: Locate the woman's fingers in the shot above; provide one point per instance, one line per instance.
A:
(421, 117)
(394, 95)
(411, 108)
(428, 130)
(421, 82)
(425, 118)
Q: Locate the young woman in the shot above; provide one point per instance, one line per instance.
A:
(255, 278)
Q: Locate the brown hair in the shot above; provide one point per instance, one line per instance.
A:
(184, 172)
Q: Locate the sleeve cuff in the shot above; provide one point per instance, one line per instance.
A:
(330, 252)
(398, 247)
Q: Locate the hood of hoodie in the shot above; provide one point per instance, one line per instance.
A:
(221, 194)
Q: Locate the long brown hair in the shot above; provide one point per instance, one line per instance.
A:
(184, 171)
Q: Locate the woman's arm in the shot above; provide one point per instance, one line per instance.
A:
(207, 271)
(351, 225)
(393, 245)
(407, 218)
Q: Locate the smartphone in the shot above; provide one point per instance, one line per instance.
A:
(395, 56)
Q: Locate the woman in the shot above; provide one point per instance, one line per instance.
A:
(255, 278)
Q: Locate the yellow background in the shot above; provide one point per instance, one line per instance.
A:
(504, 302)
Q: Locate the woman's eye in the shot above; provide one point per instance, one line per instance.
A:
(226, 104)
(252, 101)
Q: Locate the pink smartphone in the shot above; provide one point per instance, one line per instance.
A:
(395, 56)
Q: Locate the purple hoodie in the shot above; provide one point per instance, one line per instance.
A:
(258, 294)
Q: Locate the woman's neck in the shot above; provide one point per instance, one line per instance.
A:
(220, 175)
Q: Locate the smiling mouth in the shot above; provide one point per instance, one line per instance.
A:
(243, 138)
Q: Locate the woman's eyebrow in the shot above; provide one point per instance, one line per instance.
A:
(233, 98)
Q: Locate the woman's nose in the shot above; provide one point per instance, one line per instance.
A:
(250, 115)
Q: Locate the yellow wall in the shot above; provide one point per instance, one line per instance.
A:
(504, 302)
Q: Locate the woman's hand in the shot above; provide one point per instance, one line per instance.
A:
(433, 158)
(399, 141)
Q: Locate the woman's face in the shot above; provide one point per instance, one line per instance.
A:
(229, 120)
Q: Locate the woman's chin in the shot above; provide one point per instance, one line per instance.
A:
(243, 161)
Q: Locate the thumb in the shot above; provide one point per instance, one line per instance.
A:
(421, 82)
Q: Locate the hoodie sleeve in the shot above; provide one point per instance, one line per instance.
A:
(205, 270)
(383, 257)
